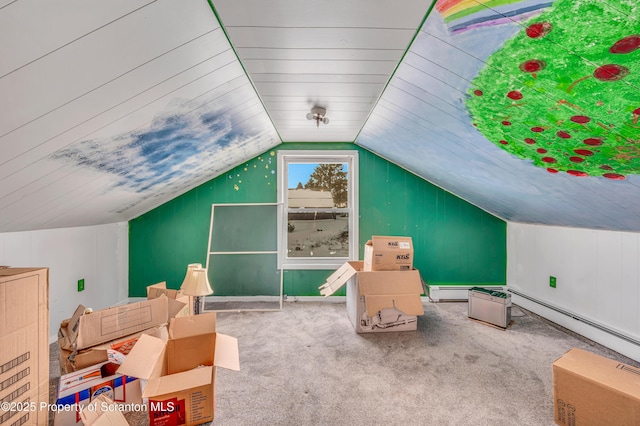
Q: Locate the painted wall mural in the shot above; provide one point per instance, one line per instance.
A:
(564, 92)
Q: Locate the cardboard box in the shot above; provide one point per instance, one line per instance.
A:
(71, 361)
(105, 413)
(24, 351)
(84, 330)
(181, 372)
(589, 389)
(378, 301)
(388, 254)
(79, 389)
(181, 309)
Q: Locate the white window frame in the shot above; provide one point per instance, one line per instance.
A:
(307, 156)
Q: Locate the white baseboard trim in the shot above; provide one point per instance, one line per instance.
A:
(448, 293)
(602, 334)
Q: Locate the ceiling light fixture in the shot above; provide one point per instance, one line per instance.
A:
(318, 113)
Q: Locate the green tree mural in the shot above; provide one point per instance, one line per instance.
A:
(565, 91)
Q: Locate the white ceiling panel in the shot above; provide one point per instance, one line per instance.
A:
(113, 108)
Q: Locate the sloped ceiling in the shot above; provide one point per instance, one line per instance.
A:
(528, 109)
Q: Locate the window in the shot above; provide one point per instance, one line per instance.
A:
(318, 228)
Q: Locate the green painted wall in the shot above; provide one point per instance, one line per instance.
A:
(454, 242)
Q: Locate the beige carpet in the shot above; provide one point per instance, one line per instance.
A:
(306, 366)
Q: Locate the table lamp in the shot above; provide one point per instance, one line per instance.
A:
(196, 284)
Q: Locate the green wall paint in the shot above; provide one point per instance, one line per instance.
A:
(454, 242)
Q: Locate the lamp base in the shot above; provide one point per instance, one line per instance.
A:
(198, 305)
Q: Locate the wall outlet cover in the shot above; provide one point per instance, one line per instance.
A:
(552, 282)
(81, 284)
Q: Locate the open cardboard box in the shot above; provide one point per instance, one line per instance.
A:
(179, 303)
(79, 389)
(378, 301)
(181, 372)
(84, 330)
(589, 389)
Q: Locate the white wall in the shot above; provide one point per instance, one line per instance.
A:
(99, 254)
(598, 279)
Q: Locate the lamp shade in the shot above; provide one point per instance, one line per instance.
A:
(196, 283)
(187, 277)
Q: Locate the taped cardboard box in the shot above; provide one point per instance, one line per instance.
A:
(77, 390)
(181, 372)
(179, 303)
(591, 390)
(71, 361)
(388, 254)
(84, 330)
(24, 351)
(378, 301)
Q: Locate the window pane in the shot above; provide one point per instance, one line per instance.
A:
(318, 234)
(317, 185)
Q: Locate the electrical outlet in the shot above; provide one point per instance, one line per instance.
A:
(81, 284)
(552, 282)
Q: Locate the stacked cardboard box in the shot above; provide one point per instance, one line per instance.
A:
(385, 295)
(24, 352)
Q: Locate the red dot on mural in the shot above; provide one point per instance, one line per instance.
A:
(515, 95)
(577, 173)
(584, 152)
(605, 167)
(550, 170)
(506, 123)
(593, 141)
(636, 111)
(530, 141)
(549, 160)
(563, 135)
(613, 176)
(626, 45)
(576, 159)
(537, 129)
(580, 119)
(611, 72)
(503, 142)
(477, 92)
(541, 151)
(532, 65)
(539, 29)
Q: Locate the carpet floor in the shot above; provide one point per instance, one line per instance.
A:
(305, 365)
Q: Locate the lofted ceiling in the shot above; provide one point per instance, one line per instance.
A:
(528, 109)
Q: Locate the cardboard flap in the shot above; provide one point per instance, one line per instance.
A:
(226, 352)
(156, 290)
(176, 382)
(175, 307)
(193, 325)
(390, 282)
(105, 413)
(145, 359)
(339, 278)
(73, 324)
(409, 304)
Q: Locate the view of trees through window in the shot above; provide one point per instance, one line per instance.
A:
(317, 201)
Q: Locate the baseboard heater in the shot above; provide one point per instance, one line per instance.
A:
(577, 317)
(454, 293)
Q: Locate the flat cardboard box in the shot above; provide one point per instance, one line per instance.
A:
(378, 301)
(383, 253)
(589, 389)
(84, 330)
(79, 389)
(180, 309)
(181, 372)
(24, 351)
